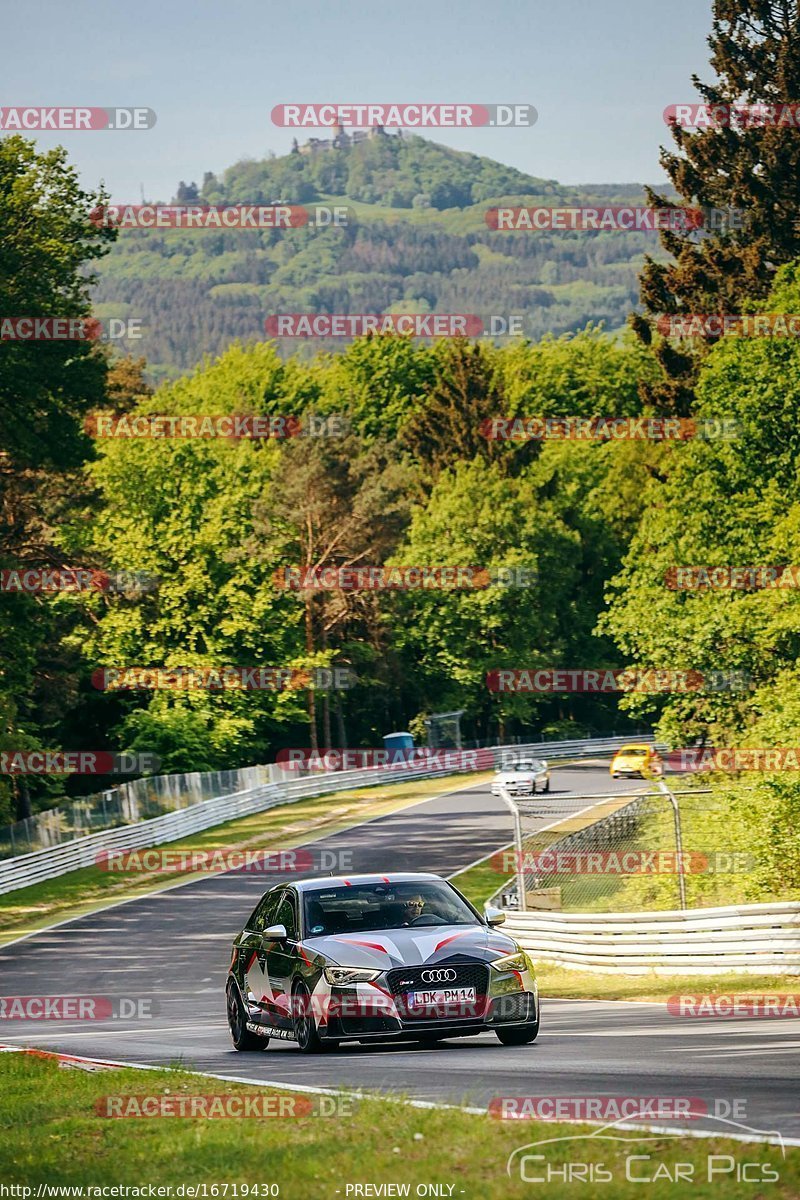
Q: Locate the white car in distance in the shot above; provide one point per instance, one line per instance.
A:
(523, 778)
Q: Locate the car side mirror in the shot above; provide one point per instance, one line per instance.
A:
(494, 916)
(275, 933)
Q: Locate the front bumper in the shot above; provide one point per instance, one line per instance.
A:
(518, 789)
(378, 1011)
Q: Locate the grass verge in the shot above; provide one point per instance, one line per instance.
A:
(482, 879)
(51, 1134)
(566, 984)
(279, 828)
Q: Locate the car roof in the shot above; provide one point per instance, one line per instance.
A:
(327, 881)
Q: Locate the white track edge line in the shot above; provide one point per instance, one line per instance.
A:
(312, 1089)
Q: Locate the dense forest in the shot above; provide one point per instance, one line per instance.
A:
(390, 463)
(415, 240)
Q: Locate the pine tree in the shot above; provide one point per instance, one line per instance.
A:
(741, 165)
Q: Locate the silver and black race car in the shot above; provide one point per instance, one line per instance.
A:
(372, 957)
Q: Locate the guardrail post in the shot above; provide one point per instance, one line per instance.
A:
(676, 814)
(521, 899)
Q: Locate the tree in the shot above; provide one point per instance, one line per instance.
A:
(181, 510)
(341, 504)
(752, 167)
(450, 638)
(722, 503)
(446, 424)
(126, 383)
(47, 243)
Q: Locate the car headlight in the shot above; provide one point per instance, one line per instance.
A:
(512, 962)
(343, 975)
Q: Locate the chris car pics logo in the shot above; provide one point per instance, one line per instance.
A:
(653, 1156)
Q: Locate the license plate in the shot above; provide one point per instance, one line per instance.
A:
(433, 999)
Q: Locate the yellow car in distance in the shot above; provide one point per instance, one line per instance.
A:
(636, 761)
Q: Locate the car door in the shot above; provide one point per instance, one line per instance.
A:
(281, 959)
(254, 951)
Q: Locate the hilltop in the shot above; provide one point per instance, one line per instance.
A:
(417, 240)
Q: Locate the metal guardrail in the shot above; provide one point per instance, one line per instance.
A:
(128, 802)
(26, 869)
(749, 938)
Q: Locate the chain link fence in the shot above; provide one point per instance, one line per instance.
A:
(630, 855)
(137, 800)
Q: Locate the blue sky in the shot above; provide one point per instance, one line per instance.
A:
(599, 72)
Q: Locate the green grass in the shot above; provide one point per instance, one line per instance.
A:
(283, 827)
(564, 983)
(50, 1133)
(482, 880)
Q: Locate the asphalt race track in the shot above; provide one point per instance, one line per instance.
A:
(174, 949)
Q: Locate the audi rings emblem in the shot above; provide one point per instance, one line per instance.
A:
(444, 975)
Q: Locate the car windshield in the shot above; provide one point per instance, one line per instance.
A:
(527, 765)
(634, 750)
(374, 906)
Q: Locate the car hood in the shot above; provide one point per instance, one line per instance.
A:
(387, 948)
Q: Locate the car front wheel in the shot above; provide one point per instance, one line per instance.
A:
(519, 1035)
(305, 1027)
(241, 1036)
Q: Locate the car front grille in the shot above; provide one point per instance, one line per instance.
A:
(403, 980)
